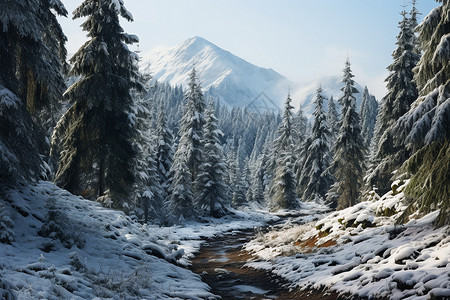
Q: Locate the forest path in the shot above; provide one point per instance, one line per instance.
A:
(221, 264)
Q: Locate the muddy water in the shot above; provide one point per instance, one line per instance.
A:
(221, 262)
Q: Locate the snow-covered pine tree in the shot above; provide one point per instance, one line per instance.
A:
(30, 77)
(232, 169)
(333, 119)
(239, 197)
(180, 199)
(32, 51)
(191, 127)
(413, 24)
(147, 188)
(164, 150)
(258, 179)
(299, 125)
(368, 116)
(284, 185)
(402, 91)
(425, 129)
(315, 178)
(188, 156)
(95, 134)
(210, 179)
(349, 150)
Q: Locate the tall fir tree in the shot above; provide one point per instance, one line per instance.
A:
(181, 199)
(259, 173)
(188, 156)
(368, 116)
(402, 91)
(210, 179)
(347, 166)
(32, 51)
(164, 150)
(284, 185)
(191, 127)
(95, 134)
(315, 179)
(425, 129)
(32, 55)
(147, 189)
(333, 119)
(413, 23)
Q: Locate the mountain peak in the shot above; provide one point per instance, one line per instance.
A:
(222, 74)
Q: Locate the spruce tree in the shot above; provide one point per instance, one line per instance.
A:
(425, 129)
(258, 179)
(333, 119)
(188, 156)
(210, 179)
(147, 189)
(402, 91)
(347, 166)
(164, 150)
(368, 115)
(299, 125)
(181, 200)
(96, 133)
(239, 197)
(191, 127)
(32, 52)
(283, 186)
(315, 179)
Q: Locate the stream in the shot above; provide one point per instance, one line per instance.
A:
(221, 264)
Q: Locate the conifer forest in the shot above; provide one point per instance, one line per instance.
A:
(191, 173)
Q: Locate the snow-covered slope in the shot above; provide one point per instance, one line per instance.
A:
(54, 245)
(222, 74)
(362, 252)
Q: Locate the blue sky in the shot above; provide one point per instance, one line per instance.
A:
(301, 39)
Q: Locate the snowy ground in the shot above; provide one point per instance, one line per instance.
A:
(360, 251)
(66, 247)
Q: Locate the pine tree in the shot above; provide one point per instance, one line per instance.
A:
(413, 25)
(283, 186)
(258, 179)
(188, 156)
(164, 150)
(96, 132)
(147, 189)
(347, 166)
(19, 155)
(181, 200)
(191, 127)
(402, 91)
(32, 49)
(368, 114)
(211, 187)
(425, 129)
(315, 179)
(333, 119)
(299, 125)
(239, 197)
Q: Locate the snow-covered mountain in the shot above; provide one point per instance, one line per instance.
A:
(233, 80)
(223, 75)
